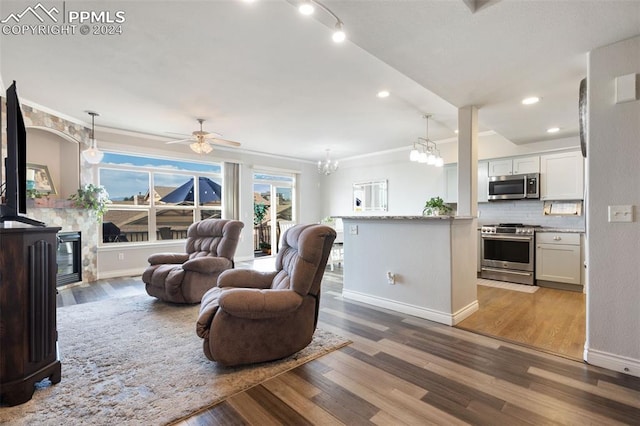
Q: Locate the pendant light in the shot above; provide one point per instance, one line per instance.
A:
(425, 150)
(92, 155)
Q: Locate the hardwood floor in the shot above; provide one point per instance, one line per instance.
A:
(549, 319)
(406, 370)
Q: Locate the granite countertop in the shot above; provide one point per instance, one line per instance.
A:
(552, 229)
(405, 217)
(566, 230)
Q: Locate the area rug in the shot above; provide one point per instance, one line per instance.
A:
(136, 360)
(508, 286)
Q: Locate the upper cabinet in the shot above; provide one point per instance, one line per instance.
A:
(562, 176)
(483, 181)
(451, 182)
(514, 166)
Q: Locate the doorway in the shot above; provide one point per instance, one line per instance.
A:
(273, 204)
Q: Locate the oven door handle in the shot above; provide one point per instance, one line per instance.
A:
(503, 238)
(526, 274)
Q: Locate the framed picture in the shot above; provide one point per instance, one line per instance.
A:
(39, 178)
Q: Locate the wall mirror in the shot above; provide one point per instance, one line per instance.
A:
(370, 196)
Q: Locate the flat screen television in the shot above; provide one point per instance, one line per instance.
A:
(15, 182)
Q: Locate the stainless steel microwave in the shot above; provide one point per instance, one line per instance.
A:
(514, 187)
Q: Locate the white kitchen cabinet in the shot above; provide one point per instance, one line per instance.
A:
(483, 181)
(501, 167)
(451, 183)
(562, 176)
(558, 257)
(524, 165)
(514, 166)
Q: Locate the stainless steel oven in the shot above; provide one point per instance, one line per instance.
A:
(507, 253)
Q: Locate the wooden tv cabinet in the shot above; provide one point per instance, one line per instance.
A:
(28, 334)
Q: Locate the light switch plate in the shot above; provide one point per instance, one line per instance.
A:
(620, 213)
(353, 229)
(627, 88)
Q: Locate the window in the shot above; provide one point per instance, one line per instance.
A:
(157, 199)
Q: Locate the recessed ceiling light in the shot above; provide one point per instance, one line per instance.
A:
(531, 100)
(455, 131)
(553, 129)
(383, 94)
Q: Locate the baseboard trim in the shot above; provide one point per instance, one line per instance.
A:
(121, 273)
(405, 308)
(613, 362)
(465, 312)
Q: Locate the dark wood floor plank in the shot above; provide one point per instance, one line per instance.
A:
(284, 414)
(223, 414)
(343, 404)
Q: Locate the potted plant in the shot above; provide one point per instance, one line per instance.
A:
(436, 206)
(92, 197)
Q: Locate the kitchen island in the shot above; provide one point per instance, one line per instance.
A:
(418, 265)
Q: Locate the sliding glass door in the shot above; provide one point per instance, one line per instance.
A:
(273, 205)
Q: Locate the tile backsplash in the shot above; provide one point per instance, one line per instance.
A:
(529, 212)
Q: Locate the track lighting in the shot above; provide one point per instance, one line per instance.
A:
(307, 7)
(338, 35)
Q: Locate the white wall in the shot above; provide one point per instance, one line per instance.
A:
(613, 301)
(409, 184)
(308, 196)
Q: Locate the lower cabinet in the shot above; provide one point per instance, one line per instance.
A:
(558, 258)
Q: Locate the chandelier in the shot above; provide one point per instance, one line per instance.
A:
(425, 150)
(327, 166)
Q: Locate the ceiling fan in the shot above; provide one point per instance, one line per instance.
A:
(201, 141)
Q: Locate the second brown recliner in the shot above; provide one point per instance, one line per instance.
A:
(253, 316)
(185, 277)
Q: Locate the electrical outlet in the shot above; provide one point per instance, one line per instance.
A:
(353, 229)
(120, 256)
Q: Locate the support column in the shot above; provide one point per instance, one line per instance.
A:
(468, 161)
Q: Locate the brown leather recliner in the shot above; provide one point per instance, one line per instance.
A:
(253, 316)
(185, 277)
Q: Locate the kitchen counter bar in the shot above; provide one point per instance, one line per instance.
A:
(422, 266)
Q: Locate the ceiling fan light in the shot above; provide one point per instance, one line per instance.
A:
(306, 8)
(201, 147)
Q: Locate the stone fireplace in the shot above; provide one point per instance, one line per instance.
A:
(45, 131)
